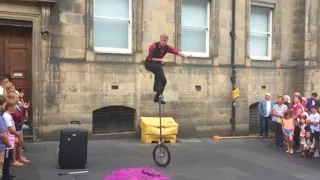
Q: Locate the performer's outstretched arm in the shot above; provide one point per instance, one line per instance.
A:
(184, 56)
(173, 50)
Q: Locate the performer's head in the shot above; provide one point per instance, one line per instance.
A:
(163, 39)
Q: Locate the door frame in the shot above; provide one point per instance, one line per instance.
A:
(40, 54)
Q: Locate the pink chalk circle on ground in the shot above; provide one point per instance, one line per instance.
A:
(136, 174)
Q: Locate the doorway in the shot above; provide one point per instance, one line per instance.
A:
(16, 58)
(254, 120)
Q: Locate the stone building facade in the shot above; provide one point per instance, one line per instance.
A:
(75, 69)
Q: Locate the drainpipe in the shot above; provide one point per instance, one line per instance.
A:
(233, 75)
(86, 30)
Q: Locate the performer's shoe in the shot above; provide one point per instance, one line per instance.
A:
(156, 100)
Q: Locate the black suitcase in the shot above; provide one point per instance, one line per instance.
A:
(73, 148)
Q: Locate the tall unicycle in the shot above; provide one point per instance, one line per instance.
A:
(161, 153)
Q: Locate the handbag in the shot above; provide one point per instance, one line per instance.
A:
(279, 120)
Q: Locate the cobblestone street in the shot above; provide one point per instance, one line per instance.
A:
(202, 159)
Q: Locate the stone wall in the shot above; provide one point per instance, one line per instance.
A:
(79, 81)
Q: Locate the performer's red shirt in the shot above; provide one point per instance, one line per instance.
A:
(163, 51)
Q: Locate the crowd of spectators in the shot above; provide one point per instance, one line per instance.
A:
(295, 123)
(13, 114)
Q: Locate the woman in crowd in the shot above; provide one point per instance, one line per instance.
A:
(18, 118)
(278, 111)
(297, 109)
(9, 88)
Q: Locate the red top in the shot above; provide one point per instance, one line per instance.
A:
(18, 117)
(163, 51)
(296, 107)
(302, 104)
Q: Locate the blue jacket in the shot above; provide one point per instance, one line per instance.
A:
(262, 107)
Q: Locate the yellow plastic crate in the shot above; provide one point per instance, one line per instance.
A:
(149, 130)
(151, 125)
(148, 139)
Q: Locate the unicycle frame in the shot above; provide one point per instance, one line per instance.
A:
(160, 117)
(162, 148)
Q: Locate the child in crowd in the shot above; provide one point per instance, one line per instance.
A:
(13, 138)
(4, 139)
(288, 129)
(315, 128)
(308, 144)
(303, 125)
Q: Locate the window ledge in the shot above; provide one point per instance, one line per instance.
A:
(263, 3)
(103, 50)
(197, 55)
(198, 62)
(260, 58)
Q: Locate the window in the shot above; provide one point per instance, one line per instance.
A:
(260, 33)
(195, 23)
(113, 26)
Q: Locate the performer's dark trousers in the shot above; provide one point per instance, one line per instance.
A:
(160, 80)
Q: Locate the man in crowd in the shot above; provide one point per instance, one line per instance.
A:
(265, 108)
(312, 101)
(3, 81)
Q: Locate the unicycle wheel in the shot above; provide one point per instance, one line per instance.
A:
(161, 155)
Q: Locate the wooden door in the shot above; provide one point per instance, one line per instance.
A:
(15, 58)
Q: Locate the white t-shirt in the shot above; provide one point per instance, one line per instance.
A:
(314, 118)
(1, 90)
(307, 143)
(268, 108)
(9, 122)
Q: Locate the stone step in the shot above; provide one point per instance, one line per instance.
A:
(28, 135)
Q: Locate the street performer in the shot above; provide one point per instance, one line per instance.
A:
(155, 61)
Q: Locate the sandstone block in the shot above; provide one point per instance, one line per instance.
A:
(74, 77)
(58, 41)
(79, 6)
(147, 36)
(57, 52)
(65, 6)
(50, 109)
(170, 17)
(71, 67)
(74, 53)
(75, 42)
(54, 119)
(76, 31)
(224, 5)
(76, 19)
